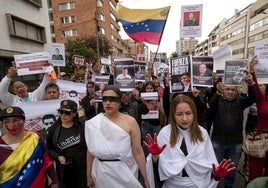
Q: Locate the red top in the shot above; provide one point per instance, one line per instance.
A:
(262, 106)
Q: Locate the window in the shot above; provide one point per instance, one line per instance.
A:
(25, 29)
(101, 17)
(101, 30)
(112, 16)
(68, 19)
(66, 6)
(50, 16)
(113, 27)
(99, 3)
(69, 33)
(52, 29)
(112, 5)
(37, 3)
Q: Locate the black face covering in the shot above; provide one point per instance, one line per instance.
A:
(111, 99)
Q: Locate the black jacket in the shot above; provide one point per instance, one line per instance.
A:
(228, 117)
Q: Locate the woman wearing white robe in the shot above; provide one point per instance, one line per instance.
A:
(114, 149)
(170, 158)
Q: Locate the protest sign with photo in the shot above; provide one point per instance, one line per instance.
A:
(100, 83)
(37, 111)
(71, 90)
(151, 101)
(140, 71)
(57, 54)
(234, 72)
(78, 61)
(202, 71)
(181, 74)
(191, 21)
(261, 68)
(124, 74)
(34, 63)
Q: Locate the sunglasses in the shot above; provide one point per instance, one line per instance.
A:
(111, 99)
(64, 112)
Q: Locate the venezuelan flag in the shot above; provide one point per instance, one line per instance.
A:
(26, 166)
(143, 25)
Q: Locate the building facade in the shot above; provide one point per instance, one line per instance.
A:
(84, 18)
(183, 46)
(24, 29)
(240, 32)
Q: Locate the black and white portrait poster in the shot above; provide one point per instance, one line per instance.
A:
(202, 71)
(124, 74)
(181, 77)
(140, 71)
(261, 68)
(100, 83)
(234, 73)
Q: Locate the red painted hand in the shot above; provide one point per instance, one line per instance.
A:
(152, 145)
(223, 169)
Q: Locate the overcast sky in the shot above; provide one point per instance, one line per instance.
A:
(213, 12)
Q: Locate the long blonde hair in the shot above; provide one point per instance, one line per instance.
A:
(195, 132)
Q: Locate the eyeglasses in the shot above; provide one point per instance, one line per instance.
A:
(90, 86)
(20, 86)
(61, 112)
(111, 99)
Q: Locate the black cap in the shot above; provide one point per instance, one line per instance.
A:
(114, 88)
(12, 111)
(68, 105)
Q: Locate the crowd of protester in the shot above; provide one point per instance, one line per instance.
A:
(195, 142)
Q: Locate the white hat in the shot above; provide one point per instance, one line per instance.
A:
(62, 73)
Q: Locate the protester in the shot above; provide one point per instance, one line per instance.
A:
(114, 148)
(185, 157)
(227, 109)
(64, 76)
(150, 126)
(88, 102)
(66, 145)
(199, 101)
(79, 78)
(160, 91)
(133, 105)
(20, 90)
(52, 91)
(24, 161)
(257, 167)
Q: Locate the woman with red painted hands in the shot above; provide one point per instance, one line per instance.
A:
(182, 154)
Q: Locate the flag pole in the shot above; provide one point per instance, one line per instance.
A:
(160, 37)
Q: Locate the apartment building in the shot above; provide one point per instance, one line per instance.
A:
(83, 18)
(24, 29)
(183, 46)
(240, 32)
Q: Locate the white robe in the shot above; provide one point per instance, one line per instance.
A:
(107, 141)
(198, 162)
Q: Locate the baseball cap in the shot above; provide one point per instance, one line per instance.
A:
(68, 105)
(63, 73)
(12, 111)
